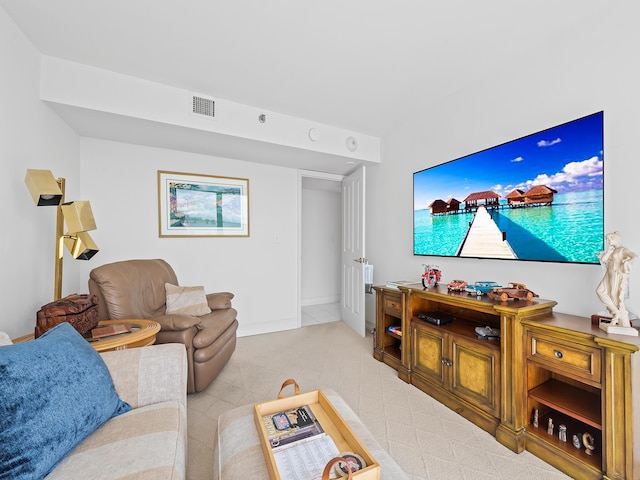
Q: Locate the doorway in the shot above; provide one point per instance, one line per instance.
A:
(320, 235)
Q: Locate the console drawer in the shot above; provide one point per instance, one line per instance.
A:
(565, 357)
(393, 305)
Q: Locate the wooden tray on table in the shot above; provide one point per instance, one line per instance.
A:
(333, 424)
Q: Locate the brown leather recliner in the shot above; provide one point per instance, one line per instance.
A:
(136, 289)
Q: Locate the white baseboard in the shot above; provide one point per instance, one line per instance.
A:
(307, 302)
(247, 330)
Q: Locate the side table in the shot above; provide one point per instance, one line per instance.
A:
(143, 333)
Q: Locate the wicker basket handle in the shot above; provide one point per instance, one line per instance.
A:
(287, 382)
(327, 469)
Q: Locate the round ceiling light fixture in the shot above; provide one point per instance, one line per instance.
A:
(352, 144)
(314, 134)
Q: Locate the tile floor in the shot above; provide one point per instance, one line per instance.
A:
(324, 313)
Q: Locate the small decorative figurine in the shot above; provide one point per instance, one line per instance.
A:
(431, 276)
(612, 288)
(535, 417)
(562, 433)
(550, 427)
(589, 443)
(576, 441)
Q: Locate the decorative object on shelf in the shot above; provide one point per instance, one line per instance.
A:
(611, 290)
(481, 287)
(431, 276)
(487, 332)
(576, 441)
(47, 191)
(550, 427)
(195, 205)
(515, 290)
(535, 417)
(456, 286)
(562, 433)
(589, 443)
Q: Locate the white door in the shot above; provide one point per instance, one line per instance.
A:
(353, 254)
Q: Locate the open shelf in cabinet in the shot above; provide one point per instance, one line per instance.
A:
(389, 312)
(462, 327)
(394, 350)
(394, 334)
(574, 427)
(575, 402)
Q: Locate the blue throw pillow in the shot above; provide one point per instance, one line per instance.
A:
(54, 392)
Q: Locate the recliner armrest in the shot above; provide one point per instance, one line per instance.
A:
(176, 321)
(219, 300)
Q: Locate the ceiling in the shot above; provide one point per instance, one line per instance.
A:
(361, 65)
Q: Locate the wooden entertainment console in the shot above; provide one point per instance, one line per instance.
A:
(560, 366)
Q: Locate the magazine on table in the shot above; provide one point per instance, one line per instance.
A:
(300, 447)
(290, 427)
(306, 460)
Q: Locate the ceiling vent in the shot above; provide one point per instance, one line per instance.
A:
(203, 106)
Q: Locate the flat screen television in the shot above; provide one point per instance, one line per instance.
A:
(536, 198)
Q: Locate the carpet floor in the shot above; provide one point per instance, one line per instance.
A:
(428, 440)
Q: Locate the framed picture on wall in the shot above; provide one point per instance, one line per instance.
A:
(195, 205)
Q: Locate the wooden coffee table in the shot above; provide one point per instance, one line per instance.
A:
(143, 333)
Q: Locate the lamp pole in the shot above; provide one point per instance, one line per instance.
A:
(57, 281)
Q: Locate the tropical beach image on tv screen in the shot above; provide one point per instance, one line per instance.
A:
(537, 198)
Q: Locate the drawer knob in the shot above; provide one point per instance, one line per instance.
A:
(558, 353)
(446, 362)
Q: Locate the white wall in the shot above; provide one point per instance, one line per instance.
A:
(31, 136)
(592, 67)
(261, 270)
(321, 243)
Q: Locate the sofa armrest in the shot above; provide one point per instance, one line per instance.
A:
(147, 375)
(219, 300)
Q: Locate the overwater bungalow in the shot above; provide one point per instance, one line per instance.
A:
(487, 198)
(438, 206)
(540, 194)
(453, 205)
(516, 197)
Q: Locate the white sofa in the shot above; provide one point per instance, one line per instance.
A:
(148, 442)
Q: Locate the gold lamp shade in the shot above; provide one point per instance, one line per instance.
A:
(81, 246)
(47, 190)
(78, 216)
(43, 187)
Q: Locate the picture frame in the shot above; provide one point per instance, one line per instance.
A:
(198, 205)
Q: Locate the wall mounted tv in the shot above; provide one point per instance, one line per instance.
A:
(537, 198)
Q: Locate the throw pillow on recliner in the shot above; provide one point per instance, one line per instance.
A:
(186, 300)
(54, 392)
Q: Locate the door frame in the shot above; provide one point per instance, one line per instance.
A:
(321, 176)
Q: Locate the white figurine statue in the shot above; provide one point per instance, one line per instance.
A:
(611, 290)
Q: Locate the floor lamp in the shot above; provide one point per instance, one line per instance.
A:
(46, 190)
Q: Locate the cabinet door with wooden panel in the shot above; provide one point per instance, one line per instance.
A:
(448, 364)
(429, 351)
(475, 374)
